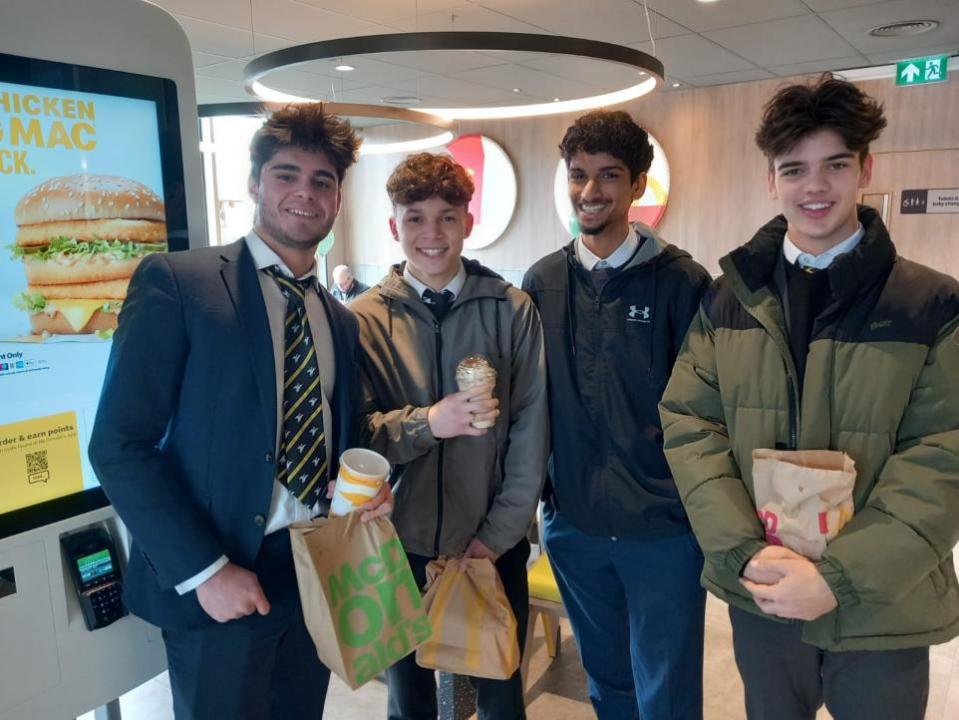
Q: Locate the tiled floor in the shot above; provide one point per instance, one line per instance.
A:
(557, 690)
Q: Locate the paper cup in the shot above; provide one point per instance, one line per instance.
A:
(473, 371)
(362, 472)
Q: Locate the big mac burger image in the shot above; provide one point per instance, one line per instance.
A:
(80, 238)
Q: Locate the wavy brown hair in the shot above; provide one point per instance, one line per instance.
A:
(425, 175)
(797, 111)
(306, 126)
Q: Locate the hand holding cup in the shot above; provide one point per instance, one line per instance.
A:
(361, 477)
(476, 371)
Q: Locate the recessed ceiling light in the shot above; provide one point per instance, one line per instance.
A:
(404, 100)
(677, 84)
(708, 1)
(555, 99)
(515, 89)
(343, 67)
(906, 27)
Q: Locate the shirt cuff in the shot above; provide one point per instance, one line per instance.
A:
(201, 577)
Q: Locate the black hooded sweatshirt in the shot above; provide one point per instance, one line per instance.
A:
(610, 348)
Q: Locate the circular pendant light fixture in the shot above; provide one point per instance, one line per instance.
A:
(648, 69)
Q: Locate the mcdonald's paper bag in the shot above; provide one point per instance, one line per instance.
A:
(474, 629)
(803, 497)
(360, 602)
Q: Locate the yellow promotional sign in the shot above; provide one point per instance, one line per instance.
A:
(39, 460)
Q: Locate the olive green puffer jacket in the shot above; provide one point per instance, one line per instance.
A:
(881, 383)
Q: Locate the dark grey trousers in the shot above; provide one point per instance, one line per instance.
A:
(787, 679)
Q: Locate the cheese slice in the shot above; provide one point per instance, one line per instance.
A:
(77, 312)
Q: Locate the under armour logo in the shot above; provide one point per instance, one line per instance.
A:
(637, 315)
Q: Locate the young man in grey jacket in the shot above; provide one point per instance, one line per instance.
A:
(460, 489)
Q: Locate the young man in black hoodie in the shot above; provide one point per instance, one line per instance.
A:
(616, 303)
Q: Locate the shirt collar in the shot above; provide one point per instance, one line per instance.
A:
(264, 257)
(795, 256)
(619, 256)
(455, 286)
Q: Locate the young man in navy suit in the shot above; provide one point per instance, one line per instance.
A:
(228, 398)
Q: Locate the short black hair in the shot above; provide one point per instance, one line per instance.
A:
(613, 132)
(306, 126)
(797, 111)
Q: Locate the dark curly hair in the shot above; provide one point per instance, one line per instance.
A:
(309, 127)
(797, 111)
(425, 175)
(613, 132)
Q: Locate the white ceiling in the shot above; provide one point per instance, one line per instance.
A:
(700, 44)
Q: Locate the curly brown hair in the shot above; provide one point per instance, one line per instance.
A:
(797, 111)
(424, 175)
(306, 126)
(613, 132)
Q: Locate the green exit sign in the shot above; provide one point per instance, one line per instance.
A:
(922, 71)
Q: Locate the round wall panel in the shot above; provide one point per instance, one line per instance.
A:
(494, 199)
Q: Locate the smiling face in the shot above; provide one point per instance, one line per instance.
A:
(297, 198)
(431, 233)
(601, 192)
(817, 184)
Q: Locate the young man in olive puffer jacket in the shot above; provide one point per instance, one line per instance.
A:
(818, 336)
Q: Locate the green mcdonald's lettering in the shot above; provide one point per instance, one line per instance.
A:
(393, 555)
(344, 585)
(368, 574)
(372, 618)
(389, 591)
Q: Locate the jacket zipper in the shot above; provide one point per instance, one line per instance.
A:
(438, 337)
(793, 420)
(598, 303)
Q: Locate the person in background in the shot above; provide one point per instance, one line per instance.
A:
(462, 488)
(226, 360)
(616, 303)
(346, 288)
(819, 336)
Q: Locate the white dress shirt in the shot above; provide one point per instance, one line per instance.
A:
(795, 256)
(285, 509)
(455, 286)
(619, 256)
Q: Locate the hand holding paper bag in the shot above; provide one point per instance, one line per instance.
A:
(803, 497)
(474, 630)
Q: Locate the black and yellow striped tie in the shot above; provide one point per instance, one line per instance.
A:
(303, 461)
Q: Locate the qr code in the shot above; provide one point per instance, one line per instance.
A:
(38, 468)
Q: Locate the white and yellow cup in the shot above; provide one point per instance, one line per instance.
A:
(362, 473)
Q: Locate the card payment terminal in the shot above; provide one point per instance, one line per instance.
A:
(96, 574)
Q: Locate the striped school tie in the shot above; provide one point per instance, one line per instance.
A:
(303, 461)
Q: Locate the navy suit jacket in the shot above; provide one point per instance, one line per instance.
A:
(185, 436)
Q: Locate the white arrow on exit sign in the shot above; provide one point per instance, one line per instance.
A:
(910, 72)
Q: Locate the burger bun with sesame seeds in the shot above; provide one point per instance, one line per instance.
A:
(80, 238)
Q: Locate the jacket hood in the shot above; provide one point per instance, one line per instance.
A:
(751, 267)
(655, 249)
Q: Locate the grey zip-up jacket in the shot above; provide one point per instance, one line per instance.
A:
(450, 491)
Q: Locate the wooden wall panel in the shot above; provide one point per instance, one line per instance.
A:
(718, 196)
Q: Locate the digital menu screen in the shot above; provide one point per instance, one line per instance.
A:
(86, 157)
